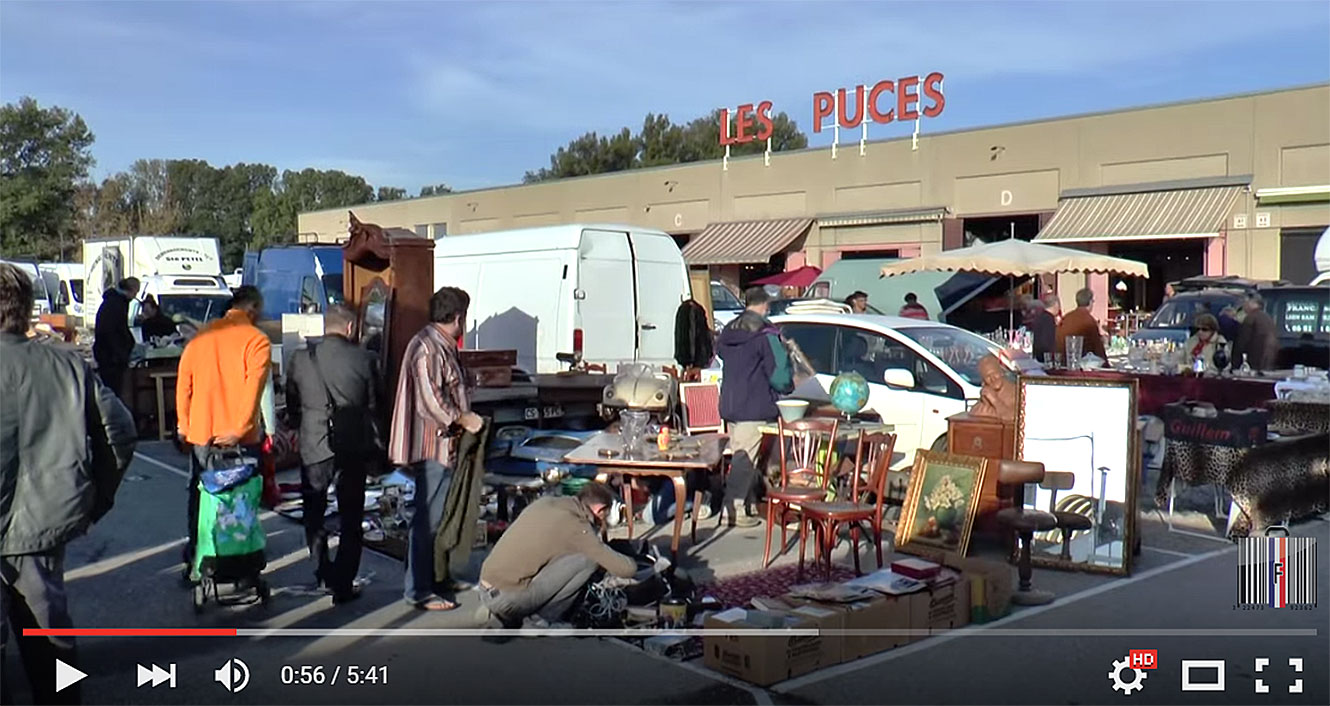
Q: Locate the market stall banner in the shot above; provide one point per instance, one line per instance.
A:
(1235, 429)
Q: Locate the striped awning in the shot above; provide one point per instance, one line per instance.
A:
(743, 242)
(874, 218)
(1124, 213)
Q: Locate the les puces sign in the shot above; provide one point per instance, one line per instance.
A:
(884, 102)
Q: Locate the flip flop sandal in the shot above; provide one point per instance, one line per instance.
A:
(436, 605)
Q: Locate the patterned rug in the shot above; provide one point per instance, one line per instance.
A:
(737, 591)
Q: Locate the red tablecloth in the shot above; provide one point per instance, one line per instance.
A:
(1155, 391)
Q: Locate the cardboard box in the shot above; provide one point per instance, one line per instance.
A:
(991, 586)
(760, 659)
(880, 613)
(946, 603)
(831, 622)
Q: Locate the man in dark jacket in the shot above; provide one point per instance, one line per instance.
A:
(1258, 341)
(1043, 330)
(333, 387)
(112, 340)
(65, 441)
(543, 560)
(756, 373)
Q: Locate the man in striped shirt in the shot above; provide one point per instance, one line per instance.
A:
(433, 403)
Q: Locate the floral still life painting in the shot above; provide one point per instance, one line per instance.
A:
(941, 503)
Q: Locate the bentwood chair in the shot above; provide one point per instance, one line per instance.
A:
(862, 508)
(1069, 521)
(807, 449)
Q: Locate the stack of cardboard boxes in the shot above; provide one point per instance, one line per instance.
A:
(821, 635)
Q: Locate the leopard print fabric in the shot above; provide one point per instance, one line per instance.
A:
(1290, 418)
(1280, 481)
(1195, 464)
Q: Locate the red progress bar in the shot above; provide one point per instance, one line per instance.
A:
(129, 632)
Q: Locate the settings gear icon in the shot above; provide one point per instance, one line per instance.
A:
(1126, 686)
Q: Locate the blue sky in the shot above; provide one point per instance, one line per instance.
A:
(474, 94)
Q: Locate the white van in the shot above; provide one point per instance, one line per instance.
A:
(184, 274)
(65, 281)
(608, 291)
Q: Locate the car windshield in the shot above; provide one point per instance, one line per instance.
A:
(1178, 313)
(194, 309)
(332, 285)
(959, 349)
(723, 299)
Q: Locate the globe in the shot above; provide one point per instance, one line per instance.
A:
(849, 393)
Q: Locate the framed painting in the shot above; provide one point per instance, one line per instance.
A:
(940, 504)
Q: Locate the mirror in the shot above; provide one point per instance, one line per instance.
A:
(1084, 432)
(374, 317)
(898, 377)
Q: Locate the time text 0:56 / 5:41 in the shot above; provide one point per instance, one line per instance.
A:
(354, 675)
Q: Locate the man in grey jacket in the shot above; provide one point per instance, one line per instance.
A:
(65, 441)
(332, 387)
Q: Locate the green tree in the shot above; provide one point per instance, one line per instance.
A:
(44, 157)
(390, 193)
(660, 142)
(275, 215)
(435, 190)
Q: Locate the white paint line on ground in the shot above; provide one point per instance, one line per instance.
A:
(1169, 552)
(162, 465)
(760, 696)
(119, 561)
(849, 667)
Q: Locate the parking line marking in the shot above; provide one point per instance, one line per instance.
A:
(1170, 552)
(162, 465)
(850, 667)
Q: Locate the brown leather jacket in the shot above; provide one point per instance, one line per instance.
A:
(1081, 323)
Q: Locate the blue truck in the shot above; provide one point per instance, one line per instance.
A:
(295, 279)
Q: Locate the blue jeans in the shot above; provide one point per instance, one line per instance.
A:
(432, 482)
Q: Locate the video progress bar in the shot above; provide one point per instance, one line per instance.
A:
(973, 631)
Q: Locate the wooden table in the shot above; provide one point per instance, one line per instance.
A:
(651, 463)
(159, 380)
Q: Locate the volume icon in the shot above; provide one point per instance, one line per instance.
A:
(156, 675)
(233, 675)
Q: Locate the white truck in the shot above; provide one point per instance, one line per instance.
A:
(608, 292)
(184, 274)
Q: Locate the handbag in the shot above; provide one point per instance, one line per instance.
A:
(225, 468)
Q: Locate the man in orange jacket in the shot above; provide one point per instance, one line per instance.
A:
(219, 388)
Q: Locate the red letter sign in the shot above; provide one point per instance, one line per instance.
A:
(821, 109)
(933, 89)
(764, 128)
(877, 115)
(905, 100)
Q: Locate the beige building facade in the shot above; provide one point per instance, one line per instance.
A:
(1246, 179)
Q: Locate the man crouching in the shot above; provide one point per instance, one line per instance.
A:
(542, 562)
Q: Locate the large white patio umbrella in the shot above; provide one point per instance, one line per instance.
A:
(1017, 258)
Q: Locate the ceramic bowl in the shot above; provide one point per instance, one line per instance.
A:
(792, 410)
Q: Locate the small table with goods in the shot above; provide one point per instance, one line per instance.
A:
(686, 454)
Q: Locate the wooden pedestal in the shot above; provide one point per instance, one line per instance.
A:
(990, 438)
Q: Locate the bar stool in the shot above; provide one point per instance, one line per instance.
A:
(1016, 475)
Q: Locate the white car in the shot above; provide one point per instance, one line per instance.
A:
(918, 372)
(725, 307)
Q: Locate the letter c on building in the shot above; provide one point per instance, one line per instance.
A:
(678, 220)
(1006, 197)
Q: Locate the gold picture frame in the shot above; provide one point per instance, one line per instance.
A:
(1117, 399)
(940, 504)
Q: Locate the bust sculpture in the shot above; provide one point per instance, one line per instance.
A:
(998, 396)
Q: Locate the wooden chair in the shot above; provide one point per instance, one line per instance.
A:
(867, 492)
(701, 415)
(806, 453)
(1068, 522)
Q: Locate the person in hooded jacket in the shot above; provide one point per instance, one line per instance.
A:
(757, 373)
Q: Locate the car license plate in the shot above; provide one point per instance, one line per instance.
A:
(531, 413)
(552, 411)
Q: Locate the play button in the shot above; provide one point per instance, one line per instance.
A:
(66, 676)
